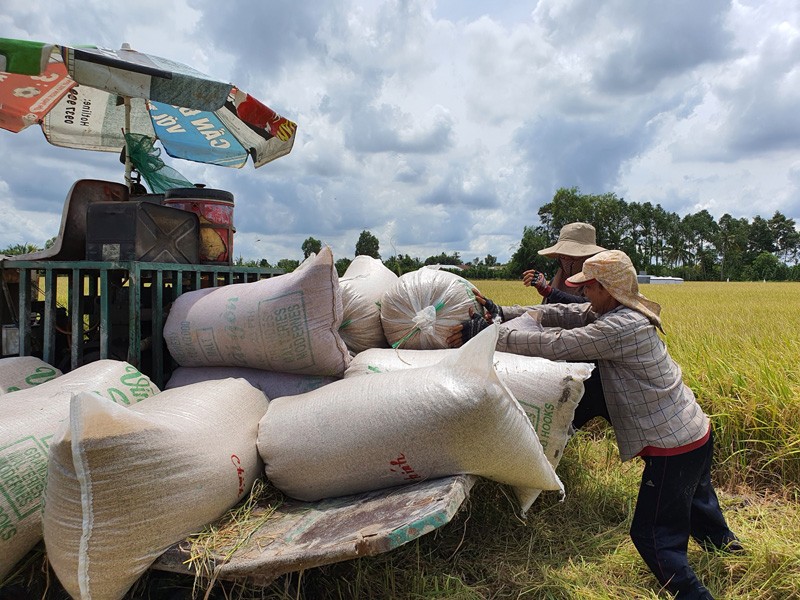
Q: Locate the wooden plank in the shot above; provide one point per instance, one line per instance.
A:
(302, 535)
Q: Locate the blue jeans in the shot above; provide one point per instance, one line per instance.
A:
(677, 500)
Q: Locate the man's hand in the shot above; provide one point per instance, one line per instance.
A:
(460, 334)
(536, 279)
(492, 312)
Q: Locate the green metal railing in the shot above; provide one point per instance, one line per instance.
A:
(102, 290)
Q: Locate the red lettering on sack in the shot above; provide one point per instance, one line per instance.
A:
(403, 468)
(239, 472)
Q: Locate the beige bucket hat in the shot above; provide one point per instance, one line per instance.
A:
(574, 239)
(615, 271)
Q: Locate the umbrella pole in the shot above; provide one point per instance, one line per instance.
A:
(128, 163)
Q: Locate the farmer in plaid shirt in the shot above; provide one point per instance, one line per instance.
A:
(654, 414)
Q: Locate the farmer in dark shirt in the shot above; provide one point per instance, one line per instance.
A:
(576, 242)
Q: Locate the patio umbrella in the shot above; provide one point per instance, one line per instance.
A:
(90, 98)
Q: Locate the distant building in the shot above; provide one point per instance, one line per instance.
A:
(455, 268)
(643, 277)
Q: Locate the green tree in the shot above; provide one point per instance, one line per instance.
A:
(402, 263)
(637, 233)
(661, 225)
(18, 249)
(701, 229)
(311, 246)
(610, 215)
(490, 261)
(694, 246)
(610, 220)
(368, 245)
(444, 259)
(288, 265)
(527, 254)
(767, 267)
(568, 205)
(731, 244)
(785, 235)
(760, 239)
(677, 252)
(250, 262)
(341, 265)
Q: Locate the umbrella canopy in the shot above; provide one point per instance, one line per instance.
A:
(88, 98)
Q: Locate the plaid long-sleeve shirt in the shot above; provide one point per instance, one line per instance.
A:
(647, 400)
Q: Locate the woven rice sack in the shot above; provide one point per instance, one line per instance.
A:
(287, 323)
(23, 372)
(28, 420)
(418, 310)
(389, 429)
(363, 285)
(123, 485)
(274, 385)
(547, 390)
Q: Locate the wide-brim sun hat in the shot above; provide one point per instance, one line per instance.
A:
(574, 239)
(616, 273)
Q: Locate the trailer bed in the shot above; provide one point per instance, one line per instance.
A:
(302, 535)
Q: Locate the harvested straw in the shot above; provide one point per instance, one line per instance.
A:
(217, 542)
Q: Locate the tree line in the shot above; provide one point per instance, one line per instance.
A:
(695, 247)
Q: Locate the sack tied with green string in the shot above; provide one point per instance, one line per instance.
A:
(418, 310)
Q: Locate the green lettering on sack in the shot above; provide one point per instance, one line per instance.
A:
(41, 375)
(23, 470)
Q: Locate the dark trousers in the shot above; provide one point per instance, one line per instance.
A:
(593, 402)
(677, 500)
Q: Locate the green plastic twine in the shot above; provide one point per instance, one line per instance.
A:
(436, 307)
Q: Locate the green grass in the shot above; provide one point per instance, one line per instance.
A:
(739, 347)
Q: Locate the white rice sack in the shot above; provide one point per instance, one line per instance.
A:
(367, 433)
(274, 385)
(363, 284)
(418, 310)
(23, 372)
(528, 321)
(123, 485)
(547, 390)
(287, 323)
(28, 420)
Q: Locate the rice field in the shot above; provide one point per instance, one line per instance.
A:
(739, 347)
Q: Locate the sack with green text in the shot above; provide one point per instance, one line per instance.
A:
(289, 323)
(549, 391)
(28, 420)
(363, 284)
(23, 372)
(123, 485)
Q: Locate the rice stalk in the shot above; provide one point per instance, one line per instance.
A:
(218, 542)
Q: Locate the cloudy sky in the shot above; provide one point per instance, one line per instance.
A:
(443, 125)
